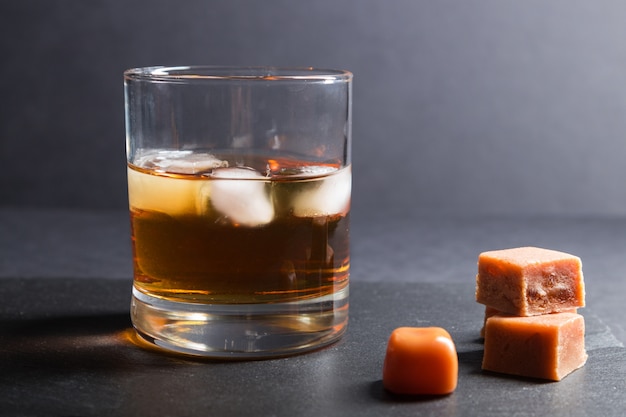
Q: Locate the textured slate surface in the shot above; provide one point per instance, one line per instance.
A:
(67, 349)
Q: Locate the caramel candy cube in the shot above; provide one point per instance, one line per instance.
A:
(529, 281)
(549, 346)
(420, 361)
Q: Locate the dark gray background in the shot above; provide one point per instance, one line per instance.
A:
(460, 107)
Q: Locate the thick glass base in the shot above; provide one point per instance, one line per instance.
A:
(240, 331)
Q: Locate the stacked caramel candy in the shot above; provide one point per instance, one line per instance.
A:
(532, 327)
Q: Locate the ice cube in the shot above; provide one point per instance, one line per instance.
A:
(331, 197)
(174, 196)
(239, 193)
(179, 162)
(278, 170)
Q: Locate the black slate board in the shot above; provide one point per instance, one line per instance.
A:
(66, 348)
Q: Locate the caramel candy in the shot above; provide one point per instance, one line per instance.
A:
(420, 361)
(530, 281)
(549, 346)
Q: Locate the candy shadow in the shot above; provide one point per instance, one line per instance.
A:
(378, 392)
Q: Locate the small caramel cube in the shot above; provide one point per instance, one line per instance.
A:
(548, 346)
(420, 361)
(529, 281)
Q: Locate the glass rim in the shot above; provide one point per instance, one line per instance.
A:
(241, 73)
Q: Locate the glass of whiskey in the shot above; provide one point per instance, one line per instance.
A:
(239, 186)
